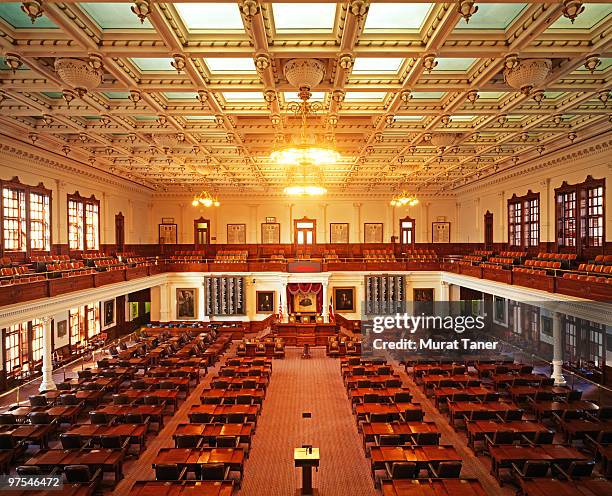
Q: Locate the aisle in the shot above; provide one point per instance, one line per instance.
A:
(307, 386)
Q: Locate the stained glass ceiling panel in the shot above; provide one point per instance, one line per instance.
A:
(365, 95)
(180, 95)
(592, 15)
(243, 96)
(377, 65)
(114, 15)
(241, 65)
(430, 95)
(11, 12)
(209, 16)
(493, 16)
(454, 64)
(396, 16)
(153, 64)
(293, 16)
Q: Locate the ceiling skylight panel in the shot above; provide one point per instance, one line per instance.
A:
(396, 16)
(298, 16)
(210, 16)
(365, 65)
(229, 65)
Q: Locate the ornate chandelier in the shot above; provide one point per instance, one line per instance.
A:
(81, 75)
(403, 199)
(205, 199)
(526, 74)
(307, 150)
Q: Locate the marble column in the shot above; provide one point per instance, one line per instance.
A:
(165, 301)
(325, 302)
(323, 229)
(252, 237)
(282, 290)
(47, 383)
(557, 362)
(502, 236)
(359, 230)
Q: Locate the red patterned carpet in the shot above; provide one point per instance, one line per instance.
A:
(313, 386)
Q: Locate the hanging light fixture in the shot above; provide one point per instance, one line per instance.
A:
(205, 199)
(404, 199)
(528, 74)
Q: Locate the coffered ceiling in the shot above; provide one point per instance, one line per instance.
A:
(413, 96)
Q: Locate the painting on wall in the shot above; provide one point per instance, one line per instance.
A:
(108, 313)
(339, 232)
(440, 232)
(186, 303)
(372, 233)
(236, 234)
(270, 233)
(423, 294)
(344, 299)
(62, 328)
(265, 301)
(167, 234)
(305, 303)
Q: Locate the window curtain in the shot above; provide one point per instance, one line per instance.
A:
(305, 288)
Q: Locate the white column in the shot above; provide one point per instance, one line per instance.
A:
(47, 383)
(60, 233)
(359, 229)
(289, 236)
(503, 233)
(252, 237)
(325, 302)
(547, 231)
(445, 292)
(518, 324)
(426, 225)
(479, 222)
(557, 362)
(283, 299)
(324, 229)
(181, 227)
(459, 236)
(165, 314)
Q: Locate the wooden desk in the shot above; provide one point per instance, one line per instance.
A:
(421, 455)
(433, 487)
(38, 434)
(168, 395)
(529, 379)
(221, 411)
(357, 394)
(155, 412)
(441, 394)
(548, 487)
(370, 430)
(245, 370)
(459, 409)
(577, 429)
(477, 430)
(182, 488)
(296, 334)
(520, 393)
(213, 430)
(194, 458)
(107, 459)
(364, 409)
(546, 408)
(430, 381)
(258, 395)
(376, 380)
(504, 456)
(135, 432)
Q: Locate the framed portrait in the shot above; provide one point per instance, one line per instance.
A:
(108, 313)
(339, 232)
(344, 299)
(167, 234)
(270, 233)
(236, 234)
(423, 294)
(270, 220)
(265, 301)
(186, 303)
(62, 328)
(373, 232)
(500, 311)
(440, 232)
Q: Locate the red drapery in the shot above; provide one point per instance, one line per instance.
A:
(294, 288)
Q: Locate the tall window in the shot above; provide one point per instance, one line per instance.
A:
(26, 217)
(40, 224)
(37, 340)
(83, 223)
(16, 347)
(524, 220)
(305, 231)
(93, 320)
(77, 325)
(407, 231)
(580, 214)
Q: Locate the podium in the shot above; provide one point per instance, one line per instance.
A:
(306, 458)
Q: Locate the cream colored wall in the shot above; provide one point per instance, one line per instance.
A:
(60, 176)
(543, 176)
(253, 213)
